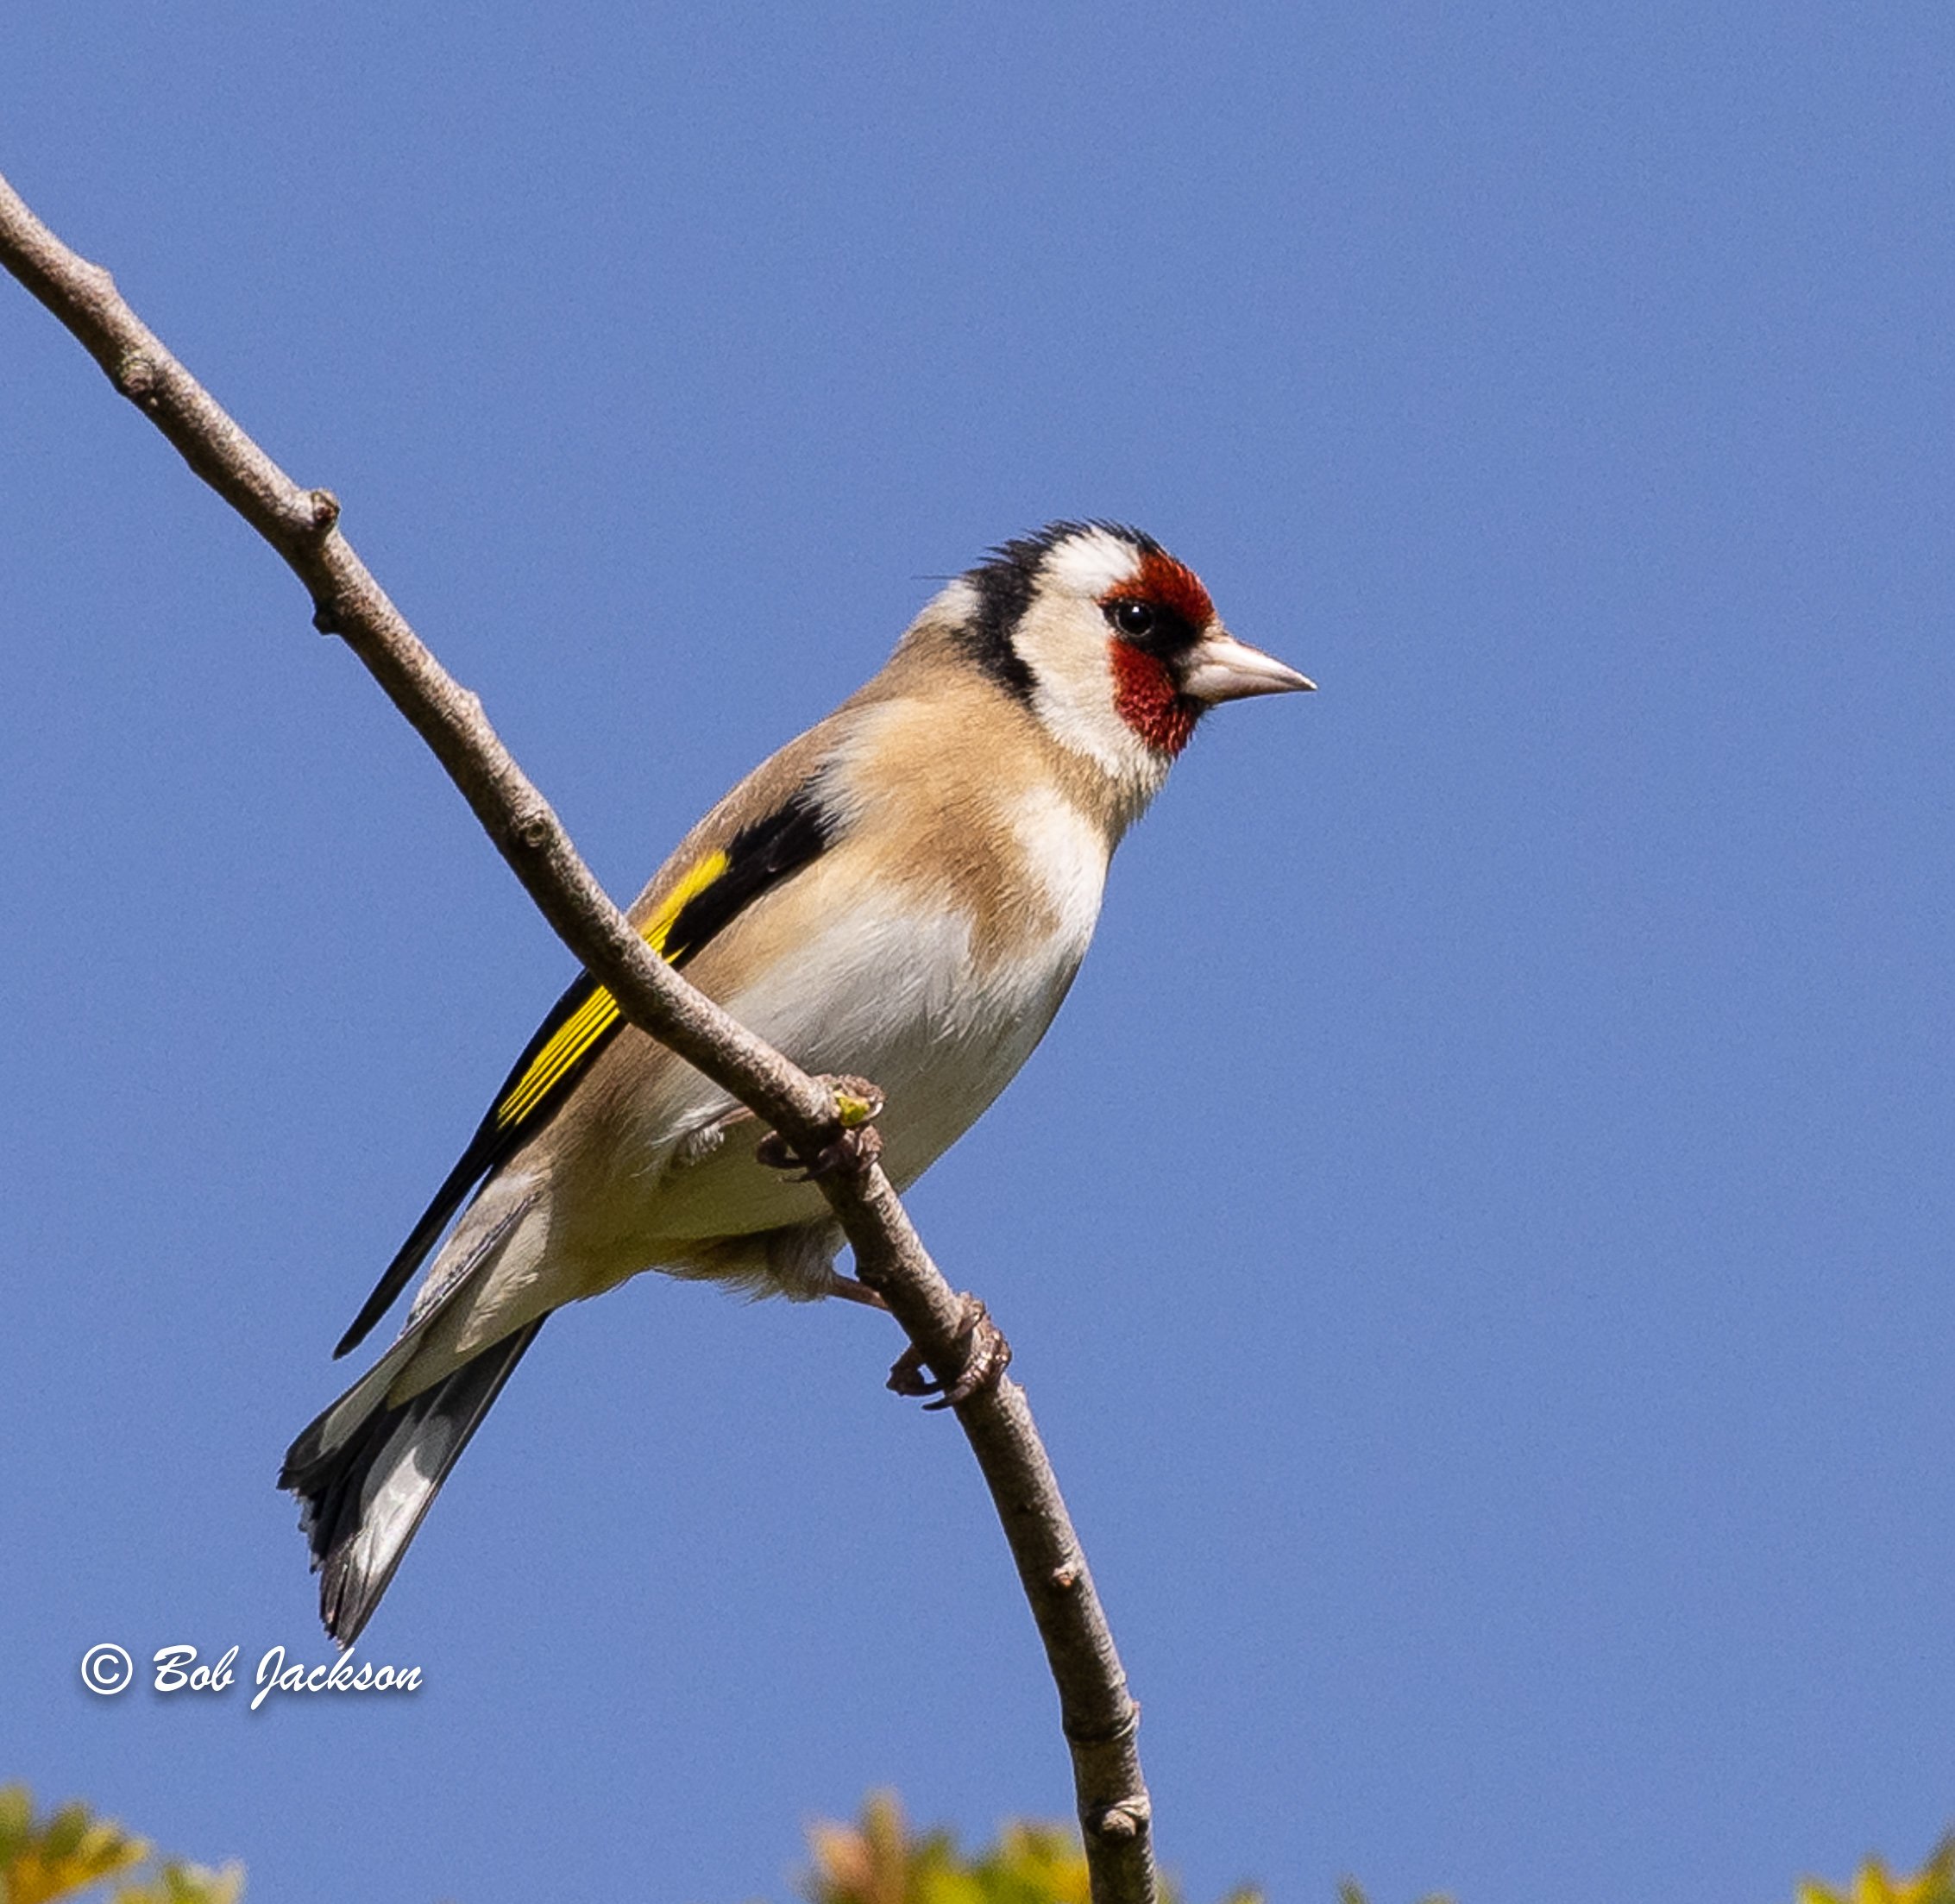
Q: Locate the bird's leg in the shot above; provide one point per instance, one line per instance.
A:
(851, 1290)
(855, 1146)
(987, 1354)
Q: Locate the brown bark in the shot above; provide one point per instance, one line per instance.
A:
(1098, 1716)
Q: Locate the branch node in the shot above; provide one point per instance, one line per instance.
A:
(854, 1147)
(135, 377)
(1123, 1729)
(857, 1101)
(890, 1259)
(1122, 1823)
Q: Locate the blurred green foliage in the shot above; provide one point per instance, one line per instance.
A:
(70, 1851)
(1348, 1893)
(881, 1861)
(1934, 1883)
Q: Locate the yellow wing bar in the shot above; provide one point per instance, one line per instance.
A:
(599, 1012)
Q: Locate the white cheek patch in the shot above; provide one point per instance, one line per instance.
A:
(1072, 667)
(1073, 691)
(1064, 638)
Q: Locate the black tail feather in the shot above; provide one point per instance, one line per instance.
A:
(362, 1498)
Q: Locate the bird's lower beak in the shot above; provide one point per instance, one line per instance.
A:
(1221, 667)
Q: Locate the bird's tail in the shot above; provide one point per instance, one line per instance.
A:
(366, 1472)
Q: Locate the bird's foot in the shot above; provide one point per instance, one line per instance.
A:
(854, 1147)
(987, 1354)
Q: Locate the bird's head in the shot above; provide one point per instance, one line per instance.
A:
(1112, 643)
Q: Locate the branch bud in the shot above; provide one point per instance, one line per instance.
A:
(135, 376)
(1127, 1819)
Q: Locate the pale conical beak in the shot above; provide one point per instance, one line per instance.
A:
(1221, 667)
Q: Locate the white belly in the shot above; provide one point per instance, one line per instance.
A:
(901, 999)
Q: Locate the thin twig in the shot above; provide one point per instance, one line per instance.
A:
(1099, 1716)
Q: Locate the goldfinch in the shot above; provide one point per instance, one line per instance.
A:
(904, 893)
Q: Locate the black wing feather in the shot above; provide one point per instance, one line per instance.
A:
(490, 1145)
(761, 856)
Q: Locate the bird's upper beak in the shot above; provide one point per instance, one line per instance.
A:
(1221, 667)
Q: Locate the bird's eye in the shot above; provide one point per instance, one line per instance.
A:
(1135, 619)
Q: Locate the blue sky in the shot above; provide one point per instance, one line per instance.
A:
(1477, 1238)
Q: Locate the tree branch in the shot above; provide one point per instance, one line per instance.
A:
(1099, 1715)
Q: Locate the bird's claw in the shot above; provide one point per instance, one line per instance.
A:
(854, 1147)
(987, 1354)
(854, 1150)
